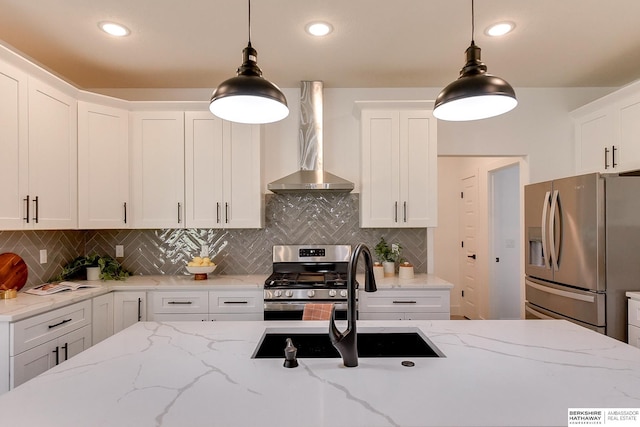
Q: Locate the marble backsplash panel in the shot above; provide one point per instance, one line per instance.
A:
(309, 218)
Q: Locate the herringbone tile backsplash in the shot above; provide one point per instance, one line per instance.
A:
(309, 218)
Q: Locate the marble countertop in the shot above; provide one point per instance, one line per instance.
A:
(26, 305)
(634, 295)
(495, 373)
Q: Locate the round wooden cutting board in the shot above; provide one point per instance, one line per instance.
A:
(13, 272)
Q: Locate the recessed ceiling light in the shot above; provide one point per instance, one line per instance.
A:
(499, 29)
(319, 29)
(114, 29)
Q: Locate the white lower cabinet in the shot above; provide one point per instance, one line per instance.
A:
(40, 342)
(634, 323)
(409, 304)
(102, 317)
(37, 360)
(129, 307)
(178, 306)
(231, 304)
(228, 304)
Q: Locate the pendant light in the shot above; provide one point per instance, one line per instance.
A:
(248, 97)
(476, 94)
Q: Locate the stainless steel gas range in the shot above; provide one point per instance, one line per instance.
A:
(304, 274)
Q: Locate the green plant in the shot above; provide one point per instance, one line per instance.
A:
(388, 253)
(110, 269)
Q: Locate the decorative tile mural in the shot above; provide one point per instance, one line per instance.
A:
(309, 218)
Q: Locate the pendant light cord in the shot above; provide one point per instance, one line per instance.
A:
(249, 1)
(473, 23)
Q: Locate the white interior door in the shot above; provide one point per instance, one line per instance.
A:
(468, 247)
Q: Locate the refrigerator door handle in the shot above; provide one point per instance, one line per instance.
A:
(553, 249)
(545, 214)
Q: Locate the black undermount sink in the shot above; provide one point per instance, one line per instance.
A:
(406, 343)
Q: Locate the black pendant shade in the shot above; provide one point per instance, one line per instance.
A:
(475, 94)
(248, 97)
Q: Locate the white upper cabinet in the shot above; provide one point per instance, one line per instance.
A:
(222, 173)
(607, 133)
(103, 167)
(14, 147)
(157, 169)
(53, 157)
(38, 142)
(398, 166)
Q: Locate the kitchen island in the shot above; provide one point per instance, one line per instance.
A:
(494, 373)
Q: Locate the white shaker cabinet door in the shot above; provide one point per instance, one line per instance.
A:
(157, 169)
(103, 167)
(14, 147)
(594, 141)
(129, 307)
(53, 182)
(222, 173)
(399, 168)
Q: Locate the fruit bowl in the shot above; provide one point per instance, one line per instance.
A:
(200, 272)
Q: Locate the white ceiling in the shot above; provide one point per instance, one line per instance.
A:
(376, 43)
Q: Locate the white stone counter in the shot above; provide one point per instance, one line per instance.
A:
(634, 295)
(495, 373)
(26, 305)
(419, 281)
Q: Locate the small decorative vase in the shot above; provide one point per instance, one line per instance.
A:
(378, 271)
(389, 268)
(93, 273)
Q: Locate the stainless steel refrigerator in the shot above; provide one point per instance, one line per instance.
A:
(582, 250)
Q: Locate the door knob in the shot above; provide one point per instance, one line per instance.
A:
(472, 256)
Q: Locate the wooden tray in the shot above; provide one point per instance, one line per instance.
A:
(13, 272)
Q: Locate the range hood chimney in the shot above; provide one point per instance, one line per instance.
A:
(311, 176)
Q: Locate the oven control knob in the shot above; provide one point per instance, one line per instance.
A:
(278, 293)
(332, 292)
(288, 293)
(343, 294)
(311, 293)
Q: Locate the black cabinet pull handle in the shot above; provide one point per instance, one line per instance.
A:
(57, 352)
(226, 212)
(405, 211)
(66, 350)
(180, 302)
(60, 323)
(236, 302)
(613, 156)
(472, 256)
(395, 217)
(125, 212)
(35, 202)
(26, 218)
(139, 309)
(405, 302)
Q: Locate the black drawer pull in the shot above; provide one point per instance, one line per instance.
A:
(405, 302)
(236, 302)
(60, 323)
(180, 302)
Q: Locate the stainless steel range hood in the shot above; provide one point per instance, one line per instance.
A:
(311, 176)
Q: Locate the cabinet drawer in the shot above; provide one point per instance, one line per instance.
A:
(634, 312)
(236, 301)
(39, 329)
(179, 302)
(402, 301)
